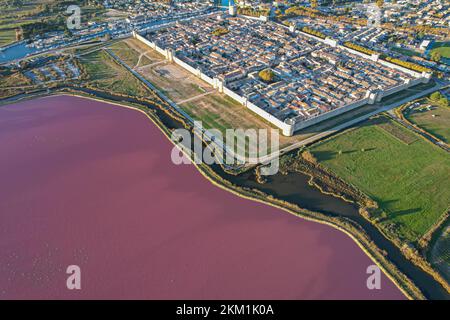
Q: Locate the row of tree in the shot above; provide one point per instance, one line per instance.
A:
(409, 65)
(435, 56)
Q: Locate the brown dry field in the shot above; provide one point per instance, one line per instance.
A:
(174, 81)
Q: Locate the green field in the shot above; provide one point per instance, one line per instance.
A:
(435, 121)
(407, 176)
(443, 48)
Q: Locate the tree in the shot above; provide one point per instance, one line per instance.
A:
(436, 56)
(308, 156)
(267, 75)
(435, 96)
(379, 3)
(443, 102)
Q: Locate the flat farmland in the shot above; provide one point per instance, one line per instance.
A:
(150, 54)
(407, 177)
(215, 110)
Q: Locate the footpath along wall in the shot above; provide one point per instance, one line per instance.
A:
(289, 126)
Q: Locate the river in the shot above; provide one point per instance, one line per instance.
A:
(295, 189)
(15, 51)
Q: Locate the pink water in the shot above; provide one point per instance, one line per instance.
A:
(91, 184)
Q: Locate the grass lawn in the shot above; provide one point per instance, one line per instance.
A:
(409, 181)
(106, 74)
(14, 17)
(444, 51)
(221, 112)
(395, 130)
(439, 125)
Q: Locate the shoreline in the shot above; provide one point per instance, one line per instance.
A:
(420, 261)
(401, 281)
(357, 233)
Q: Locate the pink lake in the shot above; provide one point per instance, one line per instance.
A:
(92, 184)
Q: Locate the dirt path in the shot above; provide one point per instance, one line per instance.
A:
(196, 97)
